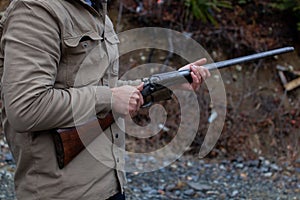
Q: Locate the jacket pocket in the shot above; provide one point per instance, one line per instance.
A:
(74, 41)
(112, 42)
(85, 59)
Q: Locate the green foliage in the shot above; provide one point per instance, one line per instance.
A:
(203, 9)
(242, 2)
(286, 4)
(289, 5)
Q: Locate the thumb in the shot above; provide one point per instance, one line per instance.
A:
(140, 86)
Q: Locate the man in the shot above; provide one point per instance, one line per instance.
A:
(60, 69)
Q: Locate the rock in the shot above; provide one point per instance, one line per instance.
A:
(261, 158)
(234, 193)
(234, 77)
(240, 159)
(238, 68)
(189, 192)
(189, 164)
(225, 162)
(253, 163)
(136, 190)
(152, 191)
(268, 174)
(222, 167)
(266, 163)
(275, 167)
(297, 170)
(177, 192)
(146, 189)
(8, 157)
(264, 169)
(223, 196)
(290, 168)
(152, 159)
(199, 186)
(171, 187)
(239, 165)
(212, 192)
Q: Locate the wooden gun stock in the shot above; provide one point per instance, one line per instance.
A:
(68, 142)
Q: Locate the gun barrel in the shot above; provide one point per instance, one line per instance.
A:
(234, 61)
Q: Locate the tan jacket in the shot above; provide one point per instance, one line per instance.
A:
(58, 67)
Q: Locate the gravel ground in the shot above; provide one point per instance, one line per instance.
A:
(189, 178)
(6, 180)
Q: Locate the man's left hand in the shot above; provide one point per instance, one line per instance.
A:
(198, 74)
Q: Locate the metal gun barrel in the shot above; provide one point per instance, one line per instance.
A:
(166, 79)
(160, 81)
(234, 61)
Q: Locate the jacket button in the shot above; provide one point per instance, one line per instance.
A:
(85, 45)
(117, 135)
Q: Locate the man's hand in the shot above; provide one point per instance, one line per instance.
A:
(198, 73)
(127, 99)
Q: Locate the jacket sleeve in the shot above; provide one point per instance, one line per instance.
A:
(129, 82)
(31, 46)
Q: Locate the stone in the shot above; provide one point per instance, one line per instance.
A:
(199, 186)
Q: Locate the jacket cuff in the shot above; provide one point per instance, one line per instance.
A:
(129, 82)
(103, 101)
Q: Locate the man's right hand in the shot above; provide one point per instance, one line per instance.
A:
(127, 99)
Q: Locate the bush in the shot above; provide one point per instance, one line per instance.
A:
(203, 9)
(290, 6)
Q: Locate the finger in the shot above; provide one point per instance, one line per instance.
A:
(196, 78)
(136, 101)
(141, 100)
(195, 70)
(140, 86)
(132, 105)
(200, 62)
(135, 95)
(138, 105)
(207, 72)
(197, 63)
(196, 82)
(203, 74)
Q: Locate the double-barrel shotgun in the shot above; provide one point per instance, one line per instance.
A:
(68, 142)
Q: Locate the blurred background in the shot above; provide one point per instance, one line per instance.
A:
(263, 109)
(262, 124)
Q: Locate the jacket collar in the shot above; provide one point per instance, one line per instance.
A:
(102, 12)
